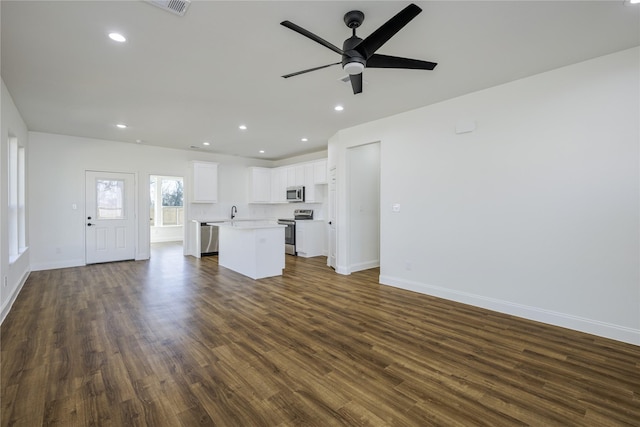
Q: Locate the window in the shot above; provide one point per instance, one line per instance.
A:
(17, 211)
(110, 199)
(166, 201)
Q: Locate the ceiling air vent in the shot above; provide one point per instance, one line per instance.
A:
(178, 7)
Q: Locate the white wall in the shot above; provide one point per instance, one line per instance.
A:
(56, 168)
(12, 274)
(535, 213)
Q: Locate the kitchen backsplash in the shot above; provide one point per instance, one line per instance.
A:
(222, 210)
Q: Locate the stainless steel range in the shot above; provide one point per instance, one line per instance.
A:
(290, 231)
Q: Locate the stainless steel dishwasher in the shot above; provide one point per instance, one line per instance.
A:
(208, 239)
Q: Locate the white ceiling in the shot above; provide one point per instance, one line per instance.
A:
(179, 81)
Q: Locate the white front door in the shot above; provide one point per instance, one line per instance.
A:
(333, 210)
(110, 216)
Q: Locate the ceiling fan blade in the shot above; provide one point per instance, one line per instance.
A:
(286, 76)
(386, 61)
(356, 83)
(380, 36)
(312, 36)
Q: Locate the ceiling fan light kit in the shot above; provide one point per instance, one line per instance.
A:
(353, 68)
(358, 54)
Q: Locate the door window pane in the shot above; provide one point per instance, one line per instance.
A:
(167, 201)
(110, 199)
(172, 198)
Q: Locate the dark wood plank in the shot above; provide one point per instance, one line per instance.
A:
(179, 341)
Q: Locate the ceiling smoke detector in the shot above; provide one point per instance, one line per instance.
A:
(177, 7)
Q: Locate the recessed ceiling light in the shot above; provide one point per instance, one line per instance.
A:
(117, 37)
(304, 140)
(121, 126)
(242, 127)
(338, 108)
(206, 143)
(261, 151)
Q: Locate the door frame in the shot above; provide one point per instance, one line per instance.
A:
(332, 193)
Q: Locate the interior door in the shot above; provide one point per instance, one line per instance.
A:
(110, 216)
(333, 210)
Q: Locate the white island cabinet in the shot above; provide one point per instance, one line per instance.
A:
(252, 248)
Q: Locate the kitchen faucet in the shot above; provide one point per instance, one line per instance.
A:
(234, 211)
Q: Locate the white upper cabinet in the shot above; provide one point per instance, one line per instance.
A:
(269, 185)
(295, 175)
(279, 185)
(259, 185)
(204, 182)
(309, 184)
(320, 172)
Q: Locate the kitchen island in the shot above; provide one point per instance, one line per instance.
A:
(252, 248)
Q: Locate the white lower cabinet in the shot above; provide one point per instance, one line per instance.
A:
(310, 238)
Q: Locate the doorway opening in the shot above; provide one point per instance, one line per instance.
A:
(166, 209)
(363, 207)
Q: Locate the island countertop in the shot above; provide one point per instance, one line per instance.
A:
(248, 225)
(215, 221)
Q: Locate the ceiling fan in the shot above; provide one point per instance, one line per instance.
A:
(358, 54)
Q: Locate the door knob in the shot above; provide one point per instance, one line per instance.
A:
(88, 217)
(89, 224)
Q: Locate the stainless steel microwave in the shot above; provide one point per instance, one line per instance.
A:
(295, 194)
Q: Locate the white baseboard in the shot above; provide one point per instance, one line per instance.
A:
(590, 326)
(364, 265)
(6, 307)
(53, 265)
(342, 270)
(346, 270)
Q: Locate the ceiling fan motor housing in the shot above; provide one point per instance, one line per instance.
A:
(352, 61)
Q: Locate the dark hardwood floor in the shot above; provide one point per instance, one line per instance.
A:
(176, 341)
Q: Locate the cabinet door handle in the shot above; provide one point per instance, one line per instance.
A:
(89, 224)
